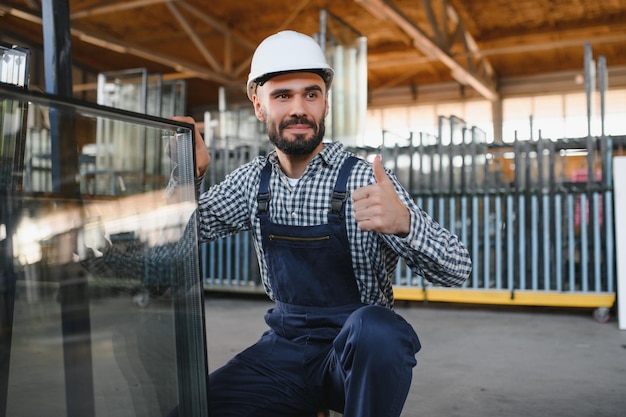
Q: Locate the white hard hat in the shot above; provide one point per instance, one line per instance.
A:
(287, 51)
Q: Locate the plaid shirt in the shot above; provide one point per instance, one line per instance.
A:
(429, 250)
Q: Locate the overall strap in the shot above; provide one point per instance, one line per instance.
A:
(263, 197)
(340, 193)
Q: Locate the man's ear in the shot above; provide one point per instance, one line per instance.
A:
(327, 106)
(258, 108)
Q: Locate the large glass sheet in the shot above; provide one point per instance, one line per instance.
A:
(101, 307)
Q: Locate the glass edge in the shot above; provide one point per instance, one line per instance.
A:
(45, 99)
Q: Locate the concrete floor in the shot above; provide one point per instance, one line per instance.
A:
(475, 361)
(478, 361)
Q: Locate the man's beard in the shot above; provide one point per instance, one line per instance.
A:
(299, 145)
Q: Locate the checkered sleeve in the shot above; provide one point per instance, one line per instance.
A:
(430, 249)
(224, 209)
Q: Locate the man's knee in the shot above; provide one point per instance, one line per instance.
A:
(379, 330)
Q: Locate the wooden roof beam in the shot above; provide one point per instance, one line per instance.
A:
(523, 47)
(292, 16)
(229, 36)
(173, 5)
(114, 7)
(208, 56)
(124, 47)
(477, 78)
(215, 24)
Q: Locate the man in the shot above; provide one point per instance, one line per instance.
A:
(329, 229)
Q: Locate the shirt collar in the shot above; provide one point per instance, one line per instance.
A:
(331, 154)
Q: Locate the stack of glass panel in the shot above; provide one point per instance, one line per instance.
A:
(101, 299)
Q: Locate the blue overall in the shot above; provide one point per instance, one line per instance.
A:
(326, 349)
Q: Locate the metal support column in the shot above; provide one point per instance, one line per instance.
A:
(79, 393)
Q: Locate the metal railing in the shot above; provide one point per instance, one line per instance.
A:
(536, 216)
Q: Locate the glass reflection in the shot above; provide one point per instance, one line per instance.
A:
(83, 335)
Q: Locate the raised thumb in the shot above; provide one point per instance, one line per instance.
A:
(379, 172)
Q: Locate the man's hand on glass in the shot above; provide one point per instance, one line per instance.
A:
(202, 153)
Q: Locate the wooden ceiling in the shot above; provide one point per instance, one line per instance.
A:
(477, 44)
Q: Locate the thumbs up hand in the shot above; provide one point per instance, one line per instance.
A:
(378, 208)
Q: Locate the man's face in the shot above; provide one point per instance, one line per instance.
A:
(293, 107)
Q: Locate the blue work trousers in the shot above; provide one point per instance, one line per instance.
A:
(365, 370)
